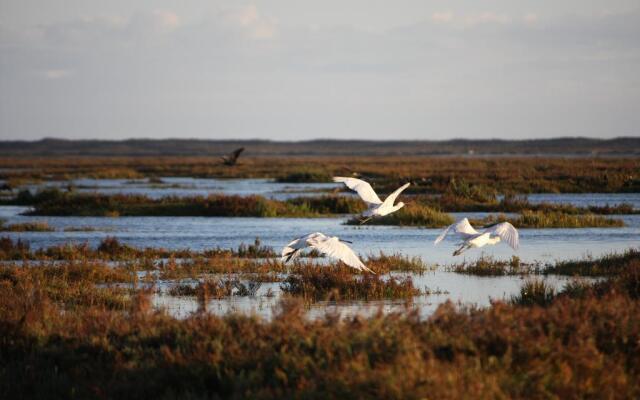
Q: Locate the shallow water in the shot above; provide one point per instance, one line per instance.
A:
(464, 290)
(184, 186)
(197, 233)
(181, 186)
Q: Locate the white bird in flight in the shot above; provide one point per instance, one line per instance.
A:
(331, 246)
(377, 207)
(472, 238)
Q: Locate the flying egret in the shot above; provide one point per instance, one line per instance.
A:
(377, 207)
(232, 158)
(503, 231)
(331, 246)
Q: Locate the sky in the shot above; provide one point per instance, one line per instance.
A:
(299, 70)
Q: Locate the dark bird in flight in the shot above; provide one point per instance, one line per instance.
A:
(232, 158)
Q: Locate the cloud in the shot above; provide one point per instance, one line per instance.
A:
(470, 20)
(442, 17)
(487, 18)
(53, 74)
(241, 71)
(530, 18)
(166, 19)
(249, 21)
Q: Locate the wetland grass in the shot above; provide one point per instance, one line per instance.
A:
(572, 347)
(110, 248)
(428, 174)
(331, 283)
(489, 266)
(607, 265)
(552, 219)
(535, 292)
(317, 176)
(35, 226)
(58, 203)
(412, 214)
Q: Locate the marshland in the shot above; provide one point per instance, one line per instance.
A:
(135, 276)
(319, 200)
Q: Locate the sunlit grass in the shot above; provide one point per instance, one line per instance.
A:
(489, 266)
(326, 283)
(65, 335)
(552, 219)
(413, 214)
(610, 264)
(26, 227)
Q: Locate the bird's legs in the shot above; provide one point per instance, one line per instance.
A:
(462, 248)
(363, 220)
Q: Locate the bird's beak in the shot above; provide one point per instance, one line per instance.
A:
(346, 241)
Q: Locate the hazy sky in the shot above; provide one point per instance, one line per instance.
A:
(295, 69)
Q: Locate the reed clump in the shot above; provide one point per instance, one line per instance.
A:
(35, 226)
(607, 265)
(111, 248)
(329, 204)
(553, 219)
(331, 283)
(305, 177)
(384, 263)
(535, 292)
(489, 266)
(56, 202)
(413, 214)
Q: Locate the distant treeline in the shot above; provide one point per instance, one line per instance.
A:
(193, 147)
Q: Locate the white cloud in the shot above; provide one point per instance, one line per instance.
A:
(53, 74)
(487, 17)
(442, 17)
(530, 18)
(242, 72)
(249, 20)
(166, 19)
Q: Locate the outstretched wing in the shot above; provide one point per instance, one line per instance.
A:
(333, 247)
(291, 250)
(462, 228)
(507, 233)
(232, 157)
(393, 196)
(364, 190)
(236, 153)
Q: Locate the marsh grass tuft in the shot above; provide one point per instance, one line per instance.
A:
(383, 263)
(553, 219)
(55, 202)
(489, 266)
(534, 292)
(413, 214)
(111, 248)
(340, 283)
(316, 176)
(607, 265)
(35, 226)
